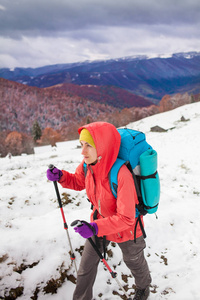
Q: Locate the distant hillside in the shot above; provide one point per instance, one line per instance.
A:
(60, 114)
(57, 108)
(110, 95)
(150, 78)
(21, 105)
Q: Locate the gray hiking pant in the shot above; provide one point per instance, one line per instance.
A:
(133, 255)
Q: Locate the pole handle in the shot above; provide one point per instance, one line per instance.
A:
(76, 223)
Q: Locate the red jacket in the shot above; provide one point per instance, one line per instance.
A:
(116, 217)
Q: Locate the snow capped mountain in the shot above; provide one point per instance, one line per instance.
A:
(34, 253)
(188, 55)
(148, 77)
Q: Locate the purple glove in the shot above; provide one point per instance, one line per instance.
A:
(87, 230)
(54, 174)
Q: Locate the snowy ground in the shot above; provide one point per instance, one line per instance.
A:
(34, 251)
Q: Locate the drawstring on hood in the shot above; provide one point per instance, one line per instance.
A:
(99, 158)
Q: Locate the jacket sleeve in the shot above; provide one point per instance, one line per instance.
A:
(73, 181)
(124, 217)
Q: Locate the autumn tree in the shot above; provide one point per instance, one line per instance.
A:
(17, 143)
(50, 137)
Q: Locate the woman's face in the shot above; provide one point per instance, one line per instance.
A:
(89, 153)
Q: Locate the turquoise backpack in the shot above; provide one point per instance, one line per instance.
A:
(141, 159)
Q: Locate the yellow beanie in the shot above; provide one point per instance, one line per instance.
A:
(86, 137)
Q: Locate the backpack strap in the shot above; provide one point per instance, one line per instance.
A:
(85, 168)
(113, 175)
(141, 226)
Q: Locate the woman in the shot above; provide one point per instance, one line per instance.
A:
(115, 219)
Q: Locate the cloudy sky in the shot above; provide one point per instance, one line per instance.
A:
(35, 33)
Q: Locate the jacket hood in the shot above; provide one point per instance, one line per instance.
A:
(107, 141)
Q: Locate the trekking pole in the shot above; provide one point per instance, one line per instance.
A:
(72, 256)
(79, 223)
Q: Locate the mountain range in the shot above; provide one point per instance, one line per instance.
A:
(150, 78)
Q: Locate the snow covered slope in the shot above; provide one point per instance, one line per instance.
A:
(34, 252)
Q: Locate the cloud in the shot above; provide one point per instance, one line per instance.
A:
(2, 7)
(35, 32)
(34, 17)
(39, 51)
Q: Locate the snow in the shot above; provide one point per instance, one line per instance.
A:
(34, 245)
